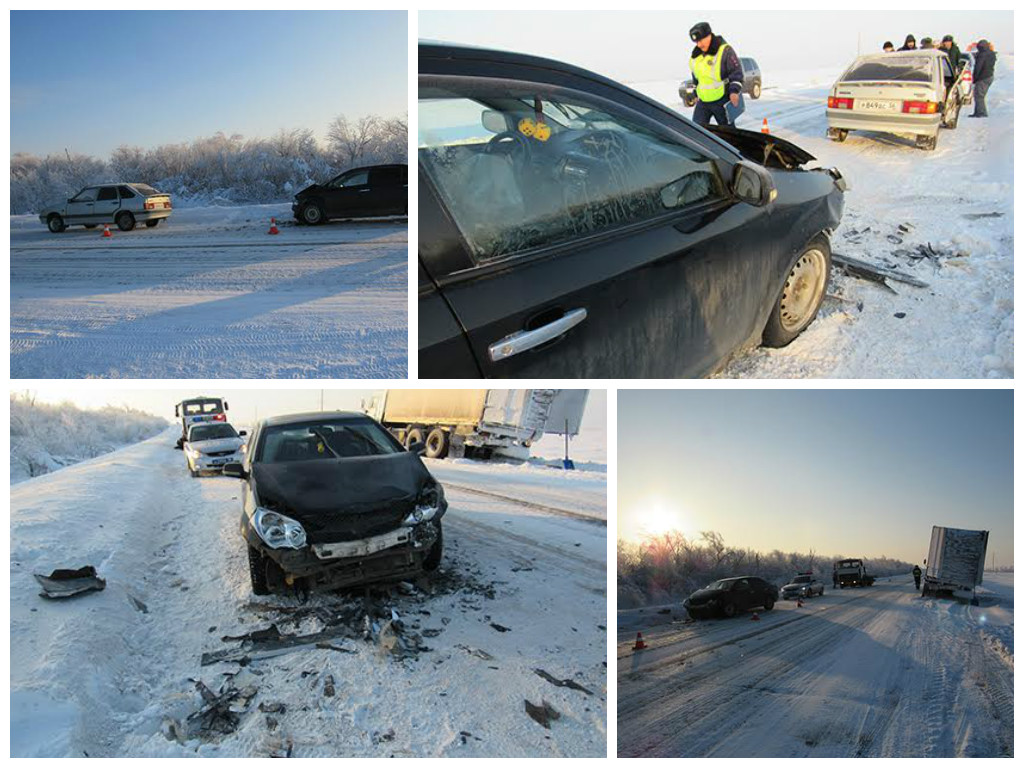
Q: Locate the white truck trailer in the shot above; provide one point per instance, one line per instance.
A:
(477, 422)
(956, 562)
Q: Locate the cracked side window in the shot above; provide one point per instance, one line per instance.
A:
(519, 170)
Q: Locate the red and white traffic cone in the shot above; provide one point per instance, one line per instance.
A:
(764, 125)
(639, 645)
(755, 617)
(273, 227)
(799, 603)
(106, 231)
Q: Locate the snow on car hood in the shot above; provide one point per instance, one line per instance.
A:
(220, 444)
(340, 499)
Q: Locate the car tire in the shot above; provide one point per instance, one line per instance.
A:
(838, 134)
(437, 444)
(125, 221)
(152, 223)
(927, 143)
(312, 214)
(264, 573)
(414, 435)
(755, 91)
(433, 558)
(729, 609)
(769, 604)
(801, 294)
(55, 224)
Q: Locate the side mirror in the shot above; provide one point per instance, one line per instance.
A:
(752, 184)
(418, 448)
(235, 469)
(243, 433)
(225, 405)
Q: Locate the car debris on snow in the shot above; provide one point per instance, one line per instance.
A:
(563, 683)
(329, 685)
(874, 272)
(139, 605)
(65, 582)
(219, 715)
(542, 714)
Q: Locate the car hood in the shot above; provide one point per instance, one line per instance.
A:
(307, 190)
(220, 444)
(794, 586)
(343, 499)
(763, 148)
(56, 205)
(703, 595)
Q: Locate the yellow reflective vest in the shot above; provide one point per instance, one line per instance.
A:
(707, 74)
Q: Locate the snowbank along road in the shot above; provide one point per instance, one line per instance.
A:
(877, 672)
(944, 217)
(443, 667)
(209, 293)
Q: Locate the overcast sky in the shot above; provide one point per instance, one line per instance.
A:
(636, 46)
(89, 81)
(856, 472)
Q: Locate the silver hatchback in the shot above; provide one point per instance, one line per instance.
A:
(908, 92)
(123, 204)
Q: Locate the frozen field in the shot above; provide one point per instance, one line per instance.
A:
(876, 672)
(209, 293)
(958, 199)
(521, 590)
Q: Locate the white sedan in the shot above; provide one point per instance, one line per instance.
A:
(210, 446)
(908, 92)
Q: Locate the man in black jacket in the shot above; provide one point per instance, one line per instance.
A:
(952, 50)
(717, 75)
(984, 73)
(910, 44)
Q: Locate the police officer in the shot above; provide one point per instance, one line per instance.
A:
(917, 576)
(717, 74)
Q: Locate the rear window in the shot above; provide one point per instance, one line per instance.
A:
(146, 190)
(903, 69)
(801, 579)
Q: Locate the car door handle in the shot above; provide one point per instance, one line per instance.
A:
(524, 340)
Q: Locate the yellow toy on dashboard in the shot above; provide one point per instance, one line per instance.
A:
(538, 130)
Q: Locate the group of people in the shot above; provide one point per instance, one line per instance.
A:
(718, 74)
(984, 63)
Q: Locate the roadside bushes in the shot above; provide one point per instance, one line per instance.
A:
(46, 437)
(216, 169)
(668, 567)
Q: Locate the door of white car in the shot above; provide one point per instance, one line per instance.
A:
(106, 206)
(81, 207)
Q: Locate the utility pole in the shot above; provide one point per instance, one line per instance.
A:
(321, 399)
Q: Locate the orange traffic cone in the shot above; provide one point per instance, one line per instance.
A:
(755, 617)
(799, 603)
(106, 230)
(764, 125)
(273, 227)
(639, 645)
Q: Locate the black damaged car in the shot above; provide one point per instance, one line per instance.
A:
(378, 190)
(570, 227)
(728, 597)
(332, 500)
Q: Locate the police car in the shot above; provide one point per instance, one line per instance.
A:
(803, 585)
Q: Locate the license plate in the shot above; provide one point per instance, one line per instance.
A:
(218, 462)
(874, 105)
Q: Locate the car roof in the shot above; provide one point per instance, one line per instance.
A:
(299, 418)
(738, 578)
(381, 165)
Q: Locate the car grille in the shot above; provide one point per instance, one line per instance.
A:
(350, 526)
(220, 453)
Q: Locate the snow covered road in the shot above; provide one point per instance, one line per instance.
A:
(860, 673)
(99, 675)
(210, 294)
(957, 199)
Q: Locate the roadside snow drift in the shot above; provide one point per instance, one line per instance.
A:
(209, 293)
(443, 667)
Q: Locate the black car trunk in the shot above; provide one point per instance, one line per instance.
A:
(343, 499)
(763, 148)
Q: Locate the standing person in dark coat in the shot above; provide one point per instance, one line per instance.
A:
(717, 75)
(952, 50)
(927, 44)
(917, 576)
(910, 44)
(984, 73)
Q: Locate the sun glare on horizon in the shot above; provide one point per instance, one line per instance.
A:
(656, 517)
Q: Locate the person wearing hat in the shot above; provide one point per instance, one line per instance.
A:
(927, 44)
(952, 50)
(984, 74)
(717, 75)
(888, 47)
(910, 44)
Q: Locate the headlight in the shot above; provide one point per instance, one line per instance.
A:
(278, 531)
(193, 452)
(427, 506)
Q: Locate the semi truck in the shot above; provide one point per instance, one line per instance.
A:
(956, 562)
(477, 423)
(198, 410)
(851, 573)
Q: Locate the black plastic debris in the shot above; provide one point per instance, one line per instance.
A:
(65, 582)
(900, 315)
(383, 737)
(542, 714)
(139, 605)
(273, 707)
(329, 685)
(563, 683)
(500, 628)
(220, 714)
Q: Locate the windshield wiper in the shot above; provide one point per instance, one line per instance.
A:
(323, 439)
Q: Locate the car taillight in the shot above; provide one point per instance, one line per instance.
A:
(220, 417)
(835, 102)
(150, 206)
(920, 107)
(967, 76)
